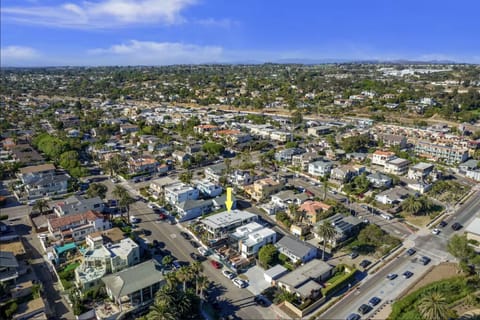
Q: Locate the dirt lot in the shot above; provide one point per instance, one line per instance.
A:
(442, 271)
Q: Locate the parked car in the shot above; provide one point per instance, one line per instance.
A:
(203, 251)
(435, 231)
(425, 260)
(353, 316)
(216, 264)
(365, 263)
(407, 274)
(443, 224)
(456, 226)
(227, 273)
(196, 257)
(261, 300)
(185, 235)
(194, 244)
(391, 276)
(411, 251)
(374, 301)
(364, 308)
(354, 254)
(176, 264)
(239, 283)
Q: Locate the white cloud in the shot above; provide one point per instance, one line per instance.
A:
(17, 55)
(155, 53)
(101, 14)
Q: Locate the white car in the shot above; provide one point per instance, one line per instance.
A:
(151, 205)
(239, 283)
(203, 251)
(436, 231)
(230, 275)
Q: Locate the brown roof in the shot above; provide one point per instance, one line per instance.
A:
(113, 235)
(72, 218)
(311, 207)
(16, 247)
(39, 168)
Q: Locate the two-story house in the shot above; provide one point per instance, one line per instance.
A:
(263, 188)
(313, 210)
(240, 178)
(78, 204)
(77, 226)
(180, 192)
(208, 188)
(215, 172)
(296, 250)
(286, 155)
(303, 160)
(392, 196)
(379, 180)
(380, 157)
(251, 237)
(142, 164)
(345, 173)
(345, 227)
(320, 168)
(397, 166)
(42, 180)
(420, 171)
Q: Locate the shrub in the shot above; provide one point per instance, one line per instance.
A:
(4, 217)
(11, 309)
(339, 283)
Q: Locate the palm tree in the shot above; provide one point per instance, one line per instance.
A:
(113, 165)
(202, 283)
(412, 205)
(327, 232)
(124, 199)
(324, 180)
(433, 306)
(41, 205)
(184, 274)
(293, 211)
(186, 177)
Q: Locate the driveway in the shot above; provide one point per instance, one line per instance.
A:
(256, 281)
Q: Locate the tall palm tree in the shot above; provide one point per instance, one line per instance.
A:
(412, 205)
(41, 205)
(202, 283)
(184, 275)
(124, 199)
(433, 306)
(327, 232)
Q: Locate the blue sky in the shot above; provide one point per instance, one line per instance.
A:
(162, 32)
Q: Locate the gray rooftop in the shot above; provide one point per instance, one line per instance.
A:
(276, 271)
(296, 247)
(7, 259)
(312, 270)
(134, 278)
(227, 218)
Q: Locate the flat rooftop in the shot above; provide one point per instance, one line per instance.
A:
(227, 218)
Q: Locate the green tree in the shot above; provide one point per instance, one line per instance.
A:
(458, 247)
(327, 232)
(41, 205)
(213, 148)
(167, 260)
(433, 306)
(267, 255)
(97, 190)
(412, 205)
(124, 199)
(186, 177)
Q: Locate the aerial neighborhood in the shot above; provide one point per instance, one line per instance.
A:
(334, 191)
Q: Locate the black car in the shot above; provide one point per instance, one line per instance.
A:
(407, 274)
(185, 235)
(374, 301)
(353, 316)
(364, 308)
(196, 257)
(365, 263)
(194, 244)
(261, 300)
(443, 224)
(411, 251)
(425, 260)
(456, 226)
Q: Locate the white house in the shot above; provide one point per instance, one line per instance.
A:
(209, 188)
(180, 192)
(78, 226)
(381, 157)
(320, 168)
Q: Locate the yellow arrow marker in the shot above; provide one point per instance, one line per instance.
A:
(229, 202)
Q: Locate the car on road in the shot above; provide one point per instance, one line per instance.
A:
(443, 224)
(216, 264)
(407, 274)
(353, 316)
(456, 226)
(425, 260)
(435, 231)
(239, 283)
(364, 308)
(261, 300)
(196, 257)
(374, 301)
(194, 244)
(185, 235)
(176, 264)
(354, 254)
(411, 251)
(162, 216)
(365, 263)
(391, 276)
(172, 221)
(229, 274)
(151, 205)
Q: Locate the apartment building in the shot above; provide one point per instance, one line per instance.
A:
(223, 223)
(380, 157)
(397, 166)
(320, 168)
(180, 192)
(447, 153)
(263, 188)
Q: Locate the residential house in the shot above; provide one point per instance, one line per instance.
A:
(157, 186)
(77, 226)
(305, 280)
(473, 230)
(42, 180)
(9, 267)
(78, 204)
(180, 156)
(303, 160)
(34, 173)
(345, 173)
(357, 156)
(251, 237)
(102, 258)
(240, 178)
(128, 128)
(473, 174)
(26, 155)
(392, 196)
(397, 166)
(263, 188)
(286, 155)
(193, 148)
(318, 131)
(419, 185)
(283, 199)
(450, 154)
(379, 180)
(274, 273)
(320, 168)
(127, 287)
(393, 140)
(469, 165)
(215, 172)
(380, 157)
(221, 224)
(191, 209)
(296, 250)
(142, 164)
(345, 227)
(180, 192)
(32, 309)
(312, 210)
(420, 171)
(208, 188)
(205, 128)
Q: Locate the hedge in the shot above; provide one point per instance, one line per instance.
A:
(340, 283)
